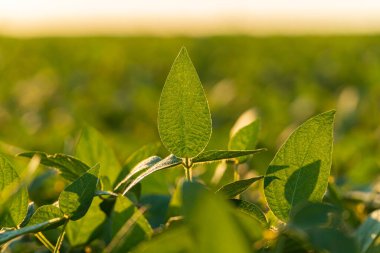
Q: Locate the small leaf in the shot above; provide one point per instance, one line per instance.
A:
(245, 138)
(147, 163)
(9, 235)
(216, 155)
(70, 167)
(45, 213)
(235, 188)
(168, 162)
(76, 198)
(369, 231)
(184, 119)
(251, 209)
(79, 231)
(299, 171)
(15, 208)
(93, 149)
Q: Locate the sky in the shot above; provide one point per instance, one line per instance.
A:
(196, 17)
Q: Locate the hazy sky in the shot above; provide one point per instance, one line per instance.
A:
(70, 17)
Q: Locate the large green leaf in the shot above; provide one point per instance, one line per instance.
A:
(80, 231)
(168, 162)
(76, 198)
(245, 138)
(70, 167)
(299, 171)
(369, 231)
(129, 226)
(233, 189)
(184, 120)
(45, 213)
(93, 149)
(14, 210)
(217, 155)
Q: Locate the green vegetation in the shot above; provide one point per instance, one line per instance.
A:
(222, 200)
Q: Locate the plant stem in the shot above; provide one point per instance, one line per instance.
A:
(40, 236)
(236, 172)
(188, 170)
(60, 238)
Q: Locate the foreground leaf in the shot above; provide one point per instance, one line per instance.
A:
(45, 213)
(299, 171)
(245, 138)
(14, 210)
(93, 149)
(76, 198)
(251, 209)
(217, 155)
(184, 120)
(369, 231)
(168, 162)
(235, 188)
(70, 167)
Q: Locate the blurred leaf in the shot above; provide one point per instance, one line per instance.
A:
(147, 163)
(127, 229)
(136, 157)
(168, 162)
(80, 231)
(70, 167)
(299, 172)
(45, 213)
(233, 189)
(14, 197)
(76, 198)
(170, 241)
(245, 138)
(184, 119)
(217, 155)
(369, 231)
(332, 240)
(93, 149)
(251, 209)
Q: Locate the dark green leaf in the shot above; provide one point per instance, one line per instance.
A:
(184, 120)
(93, 149)
(235, 188)
(217, 155)
(70, 167)
(76, 198)
(15, 196)
(168, 162)
(251, 209)
(368, 231)
(299, 172)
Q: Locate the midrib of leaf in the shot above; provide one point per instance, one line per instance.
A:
(302, 164)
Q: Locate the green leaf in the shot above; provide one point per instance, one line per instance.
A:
(136, 157)
(299, 171)
(70, 167)
(143, 165)
(184, 119)
(45, 213)
(129, 226)
(235, 188)
(168, 162)
(80, 231)
(251, 209)
(245, 138)
(76, 198)
(369, 231)
(217, 155)
(15, 206)
(9, 235)
(93, 149)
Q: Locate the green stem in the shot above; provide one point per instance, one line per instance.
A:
(60, 238)
(188, 169)
(40, 236)
(236, 172)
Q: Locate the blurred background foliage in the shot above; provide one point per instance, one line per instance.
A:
(50, 87)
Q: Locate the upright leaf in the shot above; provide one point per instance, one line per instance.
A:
(93, 149)
(184, 120)
(45, 213)
(76, 198)
(70, 167)
(14, 210)
(299, 171)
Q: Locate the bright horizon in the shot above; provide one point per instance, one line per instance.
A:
(170, 17)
